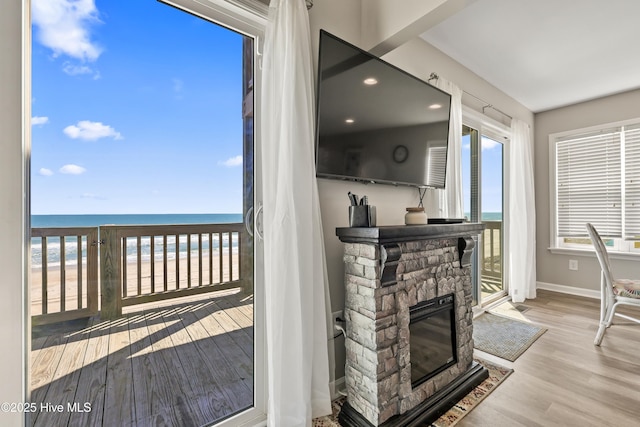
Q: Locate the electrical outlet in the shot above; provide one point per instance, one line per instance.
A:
(573, 264)
(337, 320)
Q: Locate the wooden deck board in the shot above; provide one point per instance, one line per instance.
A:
(119, 405)
(234, 330)
(172, 388)
(92, 381)
(64, 383)
(36, 345)
(199, 370)
(44, 368)
(240, 312)
(170, 365)
(235, 382)
(227, 336)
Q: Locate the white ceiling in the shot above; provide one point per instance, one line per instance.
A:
(547, 53)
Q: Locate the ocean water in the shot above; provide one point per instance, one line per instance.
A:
(487, 216)
(71, 243)
(131, 219)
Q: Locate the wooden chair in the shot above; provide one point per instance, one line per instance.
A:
(613, 292)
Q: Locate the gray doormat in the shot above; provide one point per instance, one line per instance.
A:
(504, 337)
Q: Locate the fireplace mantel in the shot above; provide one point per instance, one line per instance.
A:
(388, 270)
(404, 233)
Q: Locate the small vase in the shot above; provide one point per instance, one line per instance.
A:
(415, 216)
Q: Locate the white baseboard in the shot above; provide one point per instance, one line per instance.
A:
(336, 386)
(571, 290)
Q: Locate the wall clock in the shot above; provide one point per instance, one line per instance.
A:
(400, 153)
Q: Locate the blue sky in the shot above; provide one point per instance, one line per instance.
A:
(137, 108)
(491, 172)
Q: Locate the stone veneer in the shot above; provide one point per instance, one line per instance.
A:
(378, 367)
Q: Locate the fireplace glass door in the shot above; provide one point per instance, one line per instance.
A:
(432, 338)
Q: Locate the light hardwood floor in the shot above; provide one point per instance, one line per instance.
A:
(563, 379)
(184, 364)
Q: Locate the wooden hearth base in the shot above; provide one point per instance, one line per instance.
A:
(429, 410)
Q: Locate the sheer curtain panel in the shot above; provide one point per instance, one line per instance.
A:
(450, 199)
(295, 268)
(522, 214)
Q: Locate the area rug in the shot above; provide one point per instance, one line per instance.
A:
(497, 374)
(502, 336)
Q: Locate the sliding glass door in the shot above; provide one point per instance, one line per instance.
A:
(145, 297)
(483, 167)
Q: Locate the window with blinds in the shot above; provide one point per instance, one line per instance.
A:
(632, 182)
(437, 160)
(598, 181)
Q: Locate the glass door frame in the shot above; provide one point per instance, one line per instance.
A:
(250, 23)
(501, 133)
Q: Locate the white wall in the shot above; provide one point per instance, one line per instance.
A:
(418, 58)
(387, 25)
(12, 214)
(421, 59)
(553, 268)
(339, 17)
(382, 19)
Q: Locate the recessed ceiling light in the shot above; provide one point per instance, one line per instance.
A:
(435, 106)
(370, 81)
(349, 121)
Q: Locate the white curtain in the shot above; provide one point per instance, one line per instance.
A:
(295, 268)
(522, 214)
(450, 199)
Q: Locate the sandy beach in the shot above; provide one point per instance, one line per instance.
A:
(174, 270)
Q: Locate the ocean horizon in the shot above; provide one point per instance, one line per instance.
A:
(96, 220)
(487, 216)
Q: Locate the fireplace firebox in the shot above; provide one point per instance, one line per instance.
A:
(432, 338)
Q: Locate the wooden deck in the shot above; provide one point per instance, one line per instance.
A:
(185, 364)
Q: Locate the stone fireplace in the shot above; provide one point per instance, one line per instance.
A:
(401, 281)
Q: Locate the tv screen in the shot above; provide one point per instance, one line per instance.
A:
(377, 123)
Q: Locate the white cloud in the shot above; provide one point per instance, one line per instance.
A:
(488, 144)
(91, 131)
(45, 172)
(232, 162)
(36, 120)
(64, 26)
(72, 169)
(76, 70)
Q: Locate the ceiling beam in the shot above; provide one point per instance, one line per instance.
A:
(387, 25)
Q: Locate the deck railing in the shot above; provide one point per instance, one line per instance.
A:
(491, 251)
(146, 263)
(124, 265)
(64, 283)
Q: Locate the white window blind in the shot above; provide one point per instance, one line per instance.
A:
(436, 166)
(589, 187)
(632, 182)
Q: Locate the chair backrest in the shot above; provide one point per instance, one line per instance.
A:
(603, 256)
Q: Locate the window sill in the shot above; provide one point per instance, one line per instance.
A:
(629, 256)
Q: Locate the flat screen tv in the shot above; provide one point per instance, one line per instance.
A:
(377, 123)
